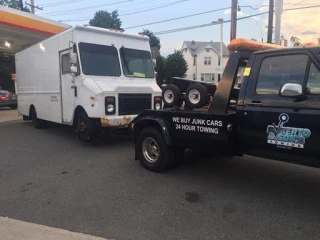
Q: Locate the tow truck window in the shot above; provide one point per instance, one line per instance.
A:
(136, 63)
(278, 70)
(313, 84)
(99, 60)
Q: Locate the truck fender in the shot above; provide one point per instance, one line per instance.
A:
(160, 124)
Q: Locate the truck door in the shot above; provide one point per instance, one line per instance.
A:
(282, 127)
(67, 88)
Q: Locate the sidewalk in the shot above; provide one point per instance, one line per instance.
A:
(9, 115)
(11, 229)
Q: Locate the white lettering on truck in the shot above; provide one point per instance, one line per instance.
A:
(197, 125)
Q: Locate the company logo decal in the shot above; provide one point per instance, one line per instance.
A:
(287, 136)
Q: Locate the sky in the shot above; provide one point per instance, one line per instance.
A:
(301, 23)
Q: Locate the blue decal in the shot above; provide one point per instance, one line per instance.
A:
(287, 136)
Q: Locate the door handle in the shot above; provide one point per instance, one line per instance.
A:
(255, 103)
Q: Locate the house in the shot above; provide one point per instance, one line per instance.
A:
(203, 59)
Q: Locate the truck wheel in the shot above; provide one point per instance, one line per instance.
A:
(84, 128)
(178, 157)
(154, 154)
(37, 123)
(196, 96)
(171, 95)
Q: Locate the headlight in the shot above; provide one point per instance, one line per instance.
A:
(110, 108)
(157, 106)
(157, 103)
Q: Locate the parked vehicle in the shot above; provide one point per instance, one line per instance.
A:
(91, 78)
(8, 99)
(276, 114)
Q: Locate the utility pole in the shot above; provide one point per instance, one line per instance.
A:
(21, 5)
(33, 7)
(270, 22)
(279, 4)
(233, 33)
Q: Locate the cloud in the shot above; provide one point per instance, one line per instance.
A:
(309, 33)
(302, 23)
(168, 46)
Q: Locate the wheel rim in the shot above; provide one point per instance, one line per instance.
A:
(194, 96)
(168, 96)
(150, 150)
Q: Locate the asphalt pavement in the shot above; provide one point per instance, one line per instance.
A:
(47, 177)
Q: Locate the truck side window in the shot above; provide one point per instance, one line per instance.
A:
(65, 64)
(278, 70)
(313, 84)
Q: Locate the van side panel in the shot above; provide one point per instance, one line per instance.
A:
(38, 79)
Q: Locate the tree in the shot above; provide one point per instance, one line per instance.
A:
(14, 4)
(160, 69)
(175, 65)
(295, 41)
(154, 41)
(105, 19)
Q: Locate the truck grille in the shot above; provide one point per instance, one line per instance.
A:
(130, 104)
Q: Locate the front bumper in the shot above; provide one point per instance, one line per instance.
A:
(8, 103)
(116, 121)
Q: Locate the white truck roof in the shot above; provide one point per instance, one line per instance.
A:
(92, 29)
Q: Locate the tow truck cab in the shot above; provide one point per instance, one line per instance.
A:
(276, 114)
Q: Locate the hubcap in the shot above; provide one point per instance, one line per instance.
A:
(194, 96)
(168, 96)
(150, 150)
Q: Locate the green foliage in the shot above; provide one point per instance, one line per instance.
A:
(105, 19)
(13, 4)
(172, 66)
(175, 65)
(154, 41)
(160, 69)
(7, 67)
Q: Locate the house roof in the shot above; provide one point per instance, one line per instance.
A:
(199, 46)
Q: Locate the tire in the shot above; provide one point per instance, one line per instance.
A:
(37, 123)
(84, 127)
(171, 95)
(153, 152)
(15, 106)
(178, 157)
(196, 96)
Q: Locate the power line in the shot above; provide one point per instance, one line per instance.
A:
(227, 21)
(150, 9)
(177, 18)
(94, 10)
(146, 10)
(96, 6)
(204, 25)
(60, 3)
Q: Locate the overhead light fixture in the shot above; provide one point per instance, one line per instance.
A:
(7, 44)
(42, 47)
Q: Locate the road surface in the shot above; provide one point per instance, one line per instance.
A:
(47, 177)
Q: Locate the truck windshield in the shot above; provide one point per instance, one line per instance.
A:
(99, 60)
(136, 63)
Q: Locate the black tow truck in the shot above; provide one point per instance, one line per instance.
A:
(276, 115)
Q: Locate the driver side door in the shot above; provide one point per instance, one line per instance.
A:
(67, 88)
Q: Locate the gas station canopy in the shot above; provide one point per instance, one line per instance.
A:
(19, 30)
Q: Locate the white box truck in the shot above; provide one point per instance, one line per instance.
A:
(87, 77)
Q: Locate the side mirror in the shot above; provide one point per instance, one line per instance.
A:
(73, 58)
(154, 61)
(73, 69)
(291, 90)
